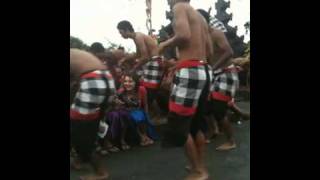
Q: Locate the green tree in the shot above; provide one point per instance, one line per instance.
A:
(247, 27)
(77, 43)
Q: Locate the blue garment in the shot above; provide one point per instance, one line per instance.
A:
(140, 116)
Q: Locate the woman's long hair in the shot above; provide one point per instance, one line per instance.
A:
(134, 77)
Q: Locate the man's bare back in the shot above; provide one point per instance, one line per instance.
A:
(220, 46)
(82, 61)
(191, 33)
(148, 42)
(145, 45)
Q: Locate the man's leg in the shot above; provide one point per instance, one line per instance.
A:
(77, 130)
(228, 129)
(198, 128)
(195, 151)
(162, 99)
(86, 135)
(192, 154)
(151, 95)
(237, 110)
(124, 144)
(201, 149)
(99, 167)
(212, 129)
(219, 110)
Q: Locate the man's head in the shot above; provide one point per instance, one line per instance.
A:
(125, 29)
(96, 47)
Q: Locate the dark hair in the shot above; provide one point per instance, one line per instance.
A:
(125, 25)
(205, 14)
(96, 47)
(134, 77)
(121, 48)
(168, 29)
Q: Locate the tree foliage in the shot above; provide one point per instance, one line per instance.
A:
(78, 43)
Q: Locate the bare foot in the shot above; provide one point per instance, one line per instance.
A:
(104, 152)
(113, 149)
(76, 165)
(95, 177)
(149, 141)
(246, 116)
(73, 153)
(145, 141)
(226, 146)
(187, 168)
(124, 146)
(198, 176)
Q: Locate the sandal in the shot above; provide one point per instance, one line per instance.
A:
(125, 146)
(144, 142)
(113, 149)
(149, 142)
(73, 153)
(104, 152)
(98, 149)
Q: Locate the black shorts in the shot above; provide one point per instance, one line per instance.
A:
(218, 109)
(83, 138)
(176, 131)
(198, 123)
(179, 127)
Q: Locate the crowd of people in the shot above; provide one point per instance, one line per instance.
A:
(189, 74)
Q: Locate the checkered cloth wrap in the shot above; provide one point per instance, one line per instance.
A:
(225, 83)
(152, 73)
(188, 83)
(217, 24)
(95, 88)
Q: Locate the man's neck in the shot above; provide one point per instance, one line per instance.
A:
(133, 35)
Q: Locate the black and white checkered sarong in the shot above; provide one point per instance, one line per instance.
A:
(152, 73)
(225, 83)
(95, 88)
(188, 85)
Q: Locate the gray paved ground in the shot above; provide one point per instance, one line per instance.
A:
(154, 163)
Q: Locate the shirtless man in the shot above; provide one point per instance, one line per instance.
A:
(190, 87)
(90, 86)
(225, 82)
(147, 57)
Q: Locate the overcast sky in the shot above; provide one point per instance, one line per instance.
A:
(96, 20)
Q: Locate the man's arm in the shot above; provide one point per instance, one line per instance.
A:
(209, 49)
(181, 28)
(225, 49)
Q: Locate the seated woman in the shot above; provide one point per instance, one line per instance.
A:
(135, 99)
(118, 120)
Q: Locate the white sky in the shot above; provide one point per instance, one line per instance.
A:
(96, 20)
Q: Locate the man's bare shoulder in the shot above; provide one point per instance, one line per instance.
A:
(140, 35)
(74, 51)
(77, 54)
(181, 6)
(144, 37)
